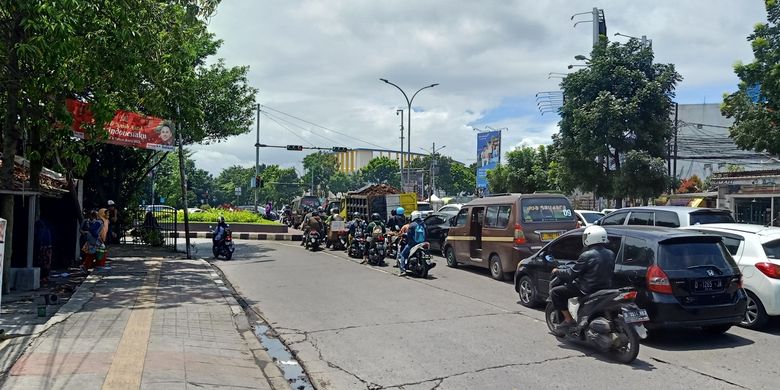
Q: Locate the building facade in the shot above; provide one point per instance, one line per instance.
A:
(752, 196)
(356, 159)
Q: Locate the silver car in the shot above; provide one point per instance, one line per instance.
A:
(668, 216)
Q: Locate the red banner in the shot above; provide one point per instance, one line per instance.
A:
(126, 129)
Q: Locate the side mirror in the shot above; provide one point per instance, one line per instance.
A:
(453, 222)
(549, 258)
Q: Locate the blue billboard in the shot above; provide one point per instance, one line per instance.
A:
(488, 155)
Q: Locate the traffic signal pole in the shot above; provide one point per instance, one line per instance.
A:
(257, 157)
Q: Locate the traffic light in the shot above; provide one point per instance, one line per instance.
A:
(294, 147)
(338, 149)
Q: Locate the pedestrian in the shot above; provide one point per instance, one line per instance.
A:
(90, 230)
(44, 240)
(102, 250)
(114, 232)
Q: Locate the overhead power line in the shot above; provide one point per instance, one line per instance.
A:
(323, 127)
(288, 129)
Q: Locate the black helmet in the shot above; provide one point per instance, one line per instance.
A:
(315, 213)
(356, 214)
(375, 217)
(334, 210)
(393, 212)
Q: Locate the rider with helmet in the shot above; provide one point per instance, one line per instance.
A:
(593, 271)
(397, 220)
(356, 225)
(375, 229)
(334, 216)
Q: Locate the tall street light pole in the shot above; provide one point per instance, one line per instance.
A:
(409, 122)
(257, 156)
(401, 155)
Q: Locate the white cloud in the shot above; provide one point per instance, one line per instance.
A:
(322, 60)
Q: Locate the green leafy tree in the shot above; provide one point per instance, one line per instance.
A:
(280, 186)
(498, 179)
(618, 103)
(234, 177)
(642, 176)
(755, 106)
(322, 166)
(463, 180)
(345, 182)
(382, 170)
(526, 170)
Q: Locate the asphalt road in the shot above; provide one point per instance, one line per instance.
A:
(356, 327)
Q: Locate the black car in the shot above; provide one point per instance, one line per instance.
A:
(683, 278)
(436, 228)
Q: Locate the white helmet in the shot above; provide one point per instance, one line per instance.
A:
(594, 234)
(416, 214)
(110, 202)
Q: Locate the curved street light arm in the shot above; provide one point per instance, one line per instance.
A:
(408, 102)
(418, 91)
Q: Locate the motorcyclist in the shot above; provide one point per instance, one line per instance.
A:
(219, 231)
(593, 271)
(397, 220)
(410, 241)
(375, 228)
(334, 216)
(315, 223)
(355, 226)
(305, 223)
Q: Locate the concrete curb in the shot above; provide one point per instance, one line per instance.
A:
(271, 371)
(245, 236)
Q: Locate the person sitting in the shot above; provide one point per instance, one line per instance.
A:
(375, 229)
(413, 237)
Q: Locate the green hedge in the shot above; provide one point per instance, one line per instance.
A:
(230, 217)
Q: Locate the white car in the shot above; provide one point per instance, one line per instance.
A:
(452, 208)
(756, 249)
(587, 217)
(607, 211)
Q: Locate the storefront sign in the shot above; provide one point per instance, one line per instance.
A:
(126, 129)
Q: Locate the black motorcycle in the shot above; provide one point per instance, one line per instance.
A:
(419, 261)
(358, 248)
(313, 241)
(222, 244)
(392, 245)
(607, 319)
(376, 250)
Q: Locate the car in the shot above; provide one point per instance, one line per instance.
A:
(157, 208)
(436, 227)
(587, 217)
(607, 211)
(424, 208)
(667, 216)
(755, 248)
(498, 231)
(683, 278)
(192, 210)
(451, 208)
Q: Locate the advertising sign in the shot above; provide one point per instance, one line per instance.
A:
(126, 129)
(488, 155)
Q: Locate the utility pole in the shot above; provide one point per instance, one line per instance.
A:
(257, 156)
(599, 23)
(676, 128)
(434, 165)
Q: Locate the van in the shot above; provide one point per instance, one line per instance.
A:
(496, 232)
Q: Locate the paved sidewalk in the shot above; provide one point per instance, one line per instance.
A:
(149, 323)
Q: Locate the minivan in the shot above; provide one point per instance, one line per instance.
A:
(683, 278)
(496, 232)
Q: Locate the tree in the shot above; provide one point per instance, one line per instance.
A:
(463, 180)
(618, 103)
(526, 170)
(641, 176)
(691, 184)
(321, 166)
(345, 182)
(234, 177)
(280, 186)
(755, 106)
(382, 170)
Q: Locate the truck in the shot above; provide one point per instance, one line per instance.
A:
(377, 198)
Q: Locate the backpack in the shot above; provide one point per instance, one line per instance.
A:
(419, 233)
(376, 229)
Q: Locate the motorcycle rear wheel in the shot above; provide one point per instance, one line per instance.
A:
(228, 255)
(215, 250)
(628, 353)
(553, 318)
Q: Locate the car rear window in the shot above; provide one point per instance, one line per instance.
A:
(546, 210)
(591, 217)
(706, 217)
(424, 207)
(772, 249)
(685, 255)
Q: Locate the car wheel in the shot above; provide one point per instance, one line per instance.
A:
(527, 292)
(496, 270)
(755, 314)
(450, 254)
(717, 329)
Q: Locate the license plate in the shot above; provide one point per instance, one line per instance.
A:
(638, 315)
(549, 236)
(707, 284)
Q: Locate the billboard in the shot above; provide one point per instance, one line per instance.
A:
(488, 155)
(126, 129)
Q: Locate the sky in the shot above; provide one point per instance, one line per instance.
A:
(321, 61)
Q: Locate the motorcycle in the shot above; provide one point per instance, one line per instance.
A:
(392, 245)
(606, 319)
(313, 241)
(358, 247)
(222, 245)
(340, 242)
(419, 261)
(376, 250)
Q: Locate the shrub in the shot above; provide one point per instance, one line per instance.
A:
(212, 215)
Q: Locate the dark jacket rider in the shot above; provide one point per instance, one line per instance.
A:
(593, 271)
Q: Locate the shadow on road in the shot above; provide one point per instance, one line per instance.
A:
(479, 271)
(591, 352)
(693, 340)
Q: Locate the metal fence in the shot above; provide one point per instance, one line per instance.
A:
(154, 226)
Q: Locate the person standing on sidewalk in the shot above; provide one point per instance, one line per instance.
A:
(90, 229)
(44, 240)
(113, 220)
(102, 250)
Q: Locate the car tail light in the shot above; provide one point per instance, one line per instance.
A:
(657, 281)
(519, 236)
(769, 269)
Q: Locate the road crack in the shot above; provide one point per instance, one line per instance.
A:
(700, 373)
